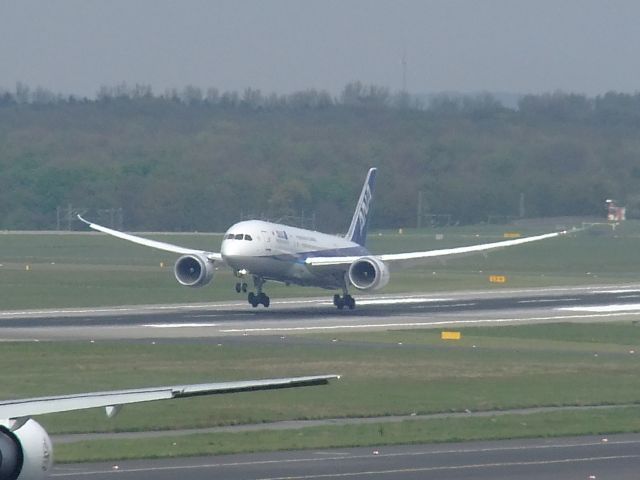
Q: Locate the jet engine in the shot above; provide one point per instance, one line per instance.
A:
(368, 273)
(193, 270)
(25, 453)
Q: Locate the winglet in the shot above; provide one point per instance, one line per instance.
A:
(360, 222)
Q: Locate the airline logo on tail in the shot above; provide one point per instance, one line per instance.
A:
(358, 229)
(363, 209)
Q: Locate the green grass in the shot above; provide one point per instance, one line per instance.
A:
(613, 337)
(615, 420)
(486, 370)
(80, 270)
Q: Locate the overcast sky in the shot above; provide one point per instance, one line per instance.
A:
(75, 46)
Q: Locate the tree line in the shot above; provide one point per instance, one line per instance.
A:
(194, 159)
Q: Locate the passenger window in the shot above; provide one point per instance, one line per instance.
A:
(248, 237)
(239, 236)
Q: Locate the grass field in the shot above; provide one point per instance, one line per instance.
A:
(490, 368)
(80, 270)
(616, 420)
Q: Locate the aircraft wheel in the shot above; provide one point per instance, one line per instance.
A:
(350, 301)
(337, 300)
(253, 299)
(244, 287)
(238, 287)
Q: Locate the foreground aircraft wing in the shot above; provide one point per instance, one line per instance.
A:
(410, 259)
(16, 409)
(167, 247)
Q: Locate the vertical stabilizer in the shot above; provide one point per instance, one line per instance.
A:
(359, 223)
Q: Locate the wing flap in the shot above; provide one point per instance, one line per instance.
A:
(13, 409)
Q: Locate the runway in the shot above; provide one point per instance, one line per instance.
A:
(291, 316)
(563, 458)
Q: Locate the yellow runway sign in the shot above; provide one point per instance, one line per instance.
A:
(451, 335)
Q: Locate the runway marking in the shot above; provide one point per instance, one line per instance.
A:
(622, 307)
(341, 456)
(628, 296)
(400, 300)
(620, 291)
(112, 310)
(180, 325)
(449, 305)
(451, 467)
(419, 324)
(550, 300)
(226, 315)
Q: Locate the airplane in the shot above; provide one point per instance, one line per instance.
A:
(269, 251)
(26, 452)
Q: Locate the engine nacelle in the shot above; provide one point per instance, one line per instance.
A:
(26, 453)
(193, 270)
(368, 273)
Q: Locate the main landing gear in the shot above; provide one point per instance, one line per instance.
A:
(345, 301)
(259, 297)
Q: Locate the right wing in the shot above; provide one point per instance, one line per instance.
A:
(411, 259)
(167, 247)
(25, 408)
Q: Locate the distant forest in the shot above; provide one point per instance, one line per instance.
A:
(189, 159)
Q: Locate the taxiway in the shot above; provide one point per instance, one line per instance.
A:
(577, 458)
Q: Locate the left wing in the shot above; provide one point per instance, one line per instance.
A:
(410, 259)
(17, 409)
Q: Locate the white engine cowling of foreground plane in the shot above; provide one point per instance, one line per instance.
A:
(26, 453)
(193, 270)
(368, 273)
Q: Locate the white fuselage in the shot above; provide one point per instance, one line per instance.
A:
(278, 252)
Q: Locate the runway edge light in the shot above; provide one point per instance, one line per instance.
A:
(450, 335)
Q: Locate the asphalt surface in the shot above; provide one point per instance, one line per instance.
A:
(614, 457)
(291, 316)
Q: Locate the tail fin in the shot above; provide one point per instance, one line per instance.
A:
(358, 229)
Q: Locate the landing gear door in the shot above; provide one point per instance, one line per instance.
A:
(266, 238)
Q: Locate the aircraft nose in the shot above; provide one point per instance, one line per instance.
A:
(233, 248)
(226, 249)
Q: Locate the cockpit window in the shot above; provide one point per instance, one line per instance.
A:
(238, 236)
